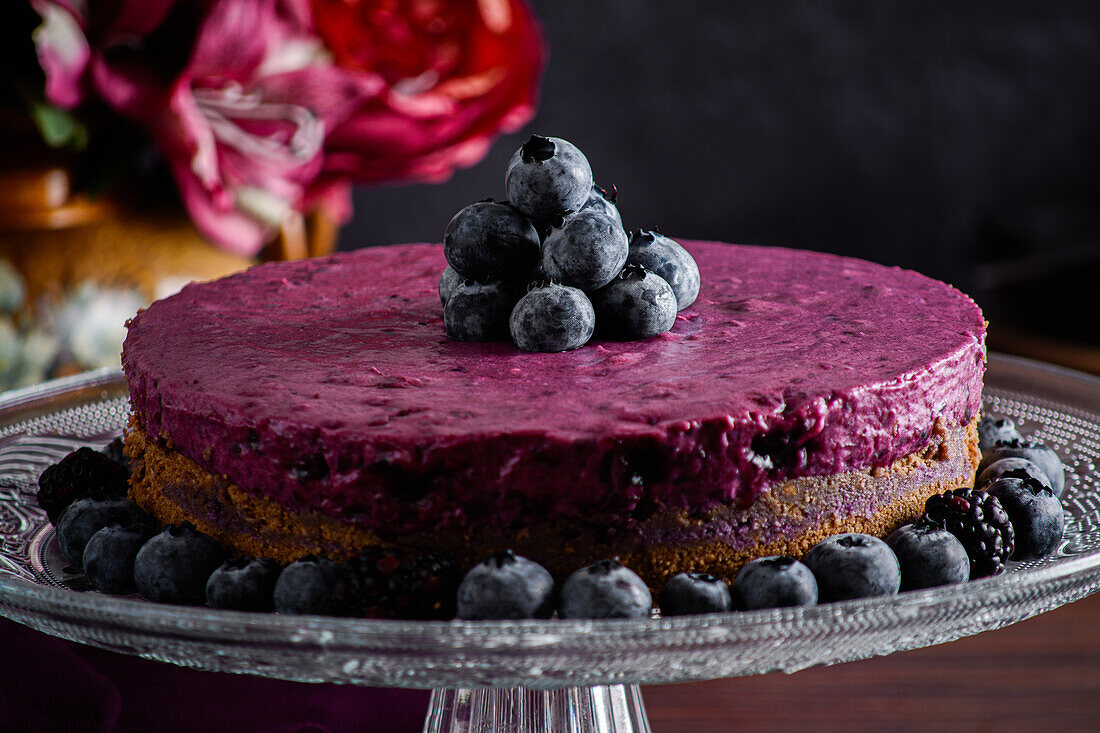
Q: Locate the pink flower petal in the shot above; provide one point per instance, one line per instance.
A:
(63, 52)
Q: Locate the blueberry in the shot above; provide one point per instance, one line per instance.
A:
(1018, 467)
(992, 430)
(491, 241)
(173, 566)
(243, 583)
(109, 556)
(604, 202)
(929, 555)
(552, 317)
(1038, 522)
(585, 249)
(853, 565)
(606, 589)
(85, 517)
(478, 311)
(1042, 455)
(657, 253)
(312, 585)
(635, 305)
(774, 582)
(448, 281)
(688, 593)
(548, 176)
(504, 586)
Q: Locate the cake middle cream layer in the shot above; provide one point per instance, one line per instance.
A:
(329, 387)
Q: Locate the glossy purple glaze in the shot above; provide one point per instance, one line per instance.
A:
(330, 384)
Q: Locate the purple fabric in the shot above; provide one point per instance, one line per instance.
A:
(47, 684)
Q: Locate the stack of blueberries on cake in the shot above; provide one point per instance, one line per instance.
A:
(553, 264)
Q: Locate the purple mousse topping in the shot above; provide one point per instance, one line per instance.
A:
(331, 385)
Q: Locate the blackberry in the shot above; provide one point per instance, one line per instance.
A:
(392, 583)
(979, 521)
(80, 474)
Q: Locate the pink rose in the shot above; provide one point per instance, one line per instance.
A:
(241, 117)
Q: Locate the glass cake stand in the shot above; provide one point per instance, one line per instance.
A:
(530, 675)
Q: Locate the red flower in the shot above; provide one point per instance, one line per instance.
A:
(457, 73)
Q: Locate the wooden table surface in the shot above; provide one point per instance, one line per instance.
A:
(1038, 675)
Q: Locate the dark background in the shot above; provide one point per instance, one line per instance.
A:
(956, 138)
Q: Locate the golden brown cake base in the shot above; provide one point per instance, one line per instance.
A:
(173, 489)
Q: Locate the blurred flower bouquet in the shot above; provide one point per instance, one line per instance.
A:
(266, 108)
(264, 111)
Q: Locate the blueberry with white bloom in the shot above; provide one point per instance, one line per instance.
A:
(603, 201)
(313, 584)
(243, 583)
(1038, 522)
(690, 593)
(992, 430)
(1018, 467)
(491, 241)
(109, 556)
(606, 589)
(478, 311)
(1038, 453)
(774, 582)
(448, 281)
(666, 257)
(548, 176)
(585, 249)
(853, 565)
(506, 586)
(552, 317)
(636, 304)
(173, 566)
(929, 555)
(84, 517)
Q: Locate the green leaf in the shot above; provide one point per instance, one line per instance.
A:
(59, 128)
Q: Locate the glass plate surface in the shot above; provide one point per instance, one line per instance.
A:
(41, 424)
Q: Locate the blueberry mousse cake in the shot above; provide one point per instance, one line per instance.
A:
(320, 407)
(545, 383)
